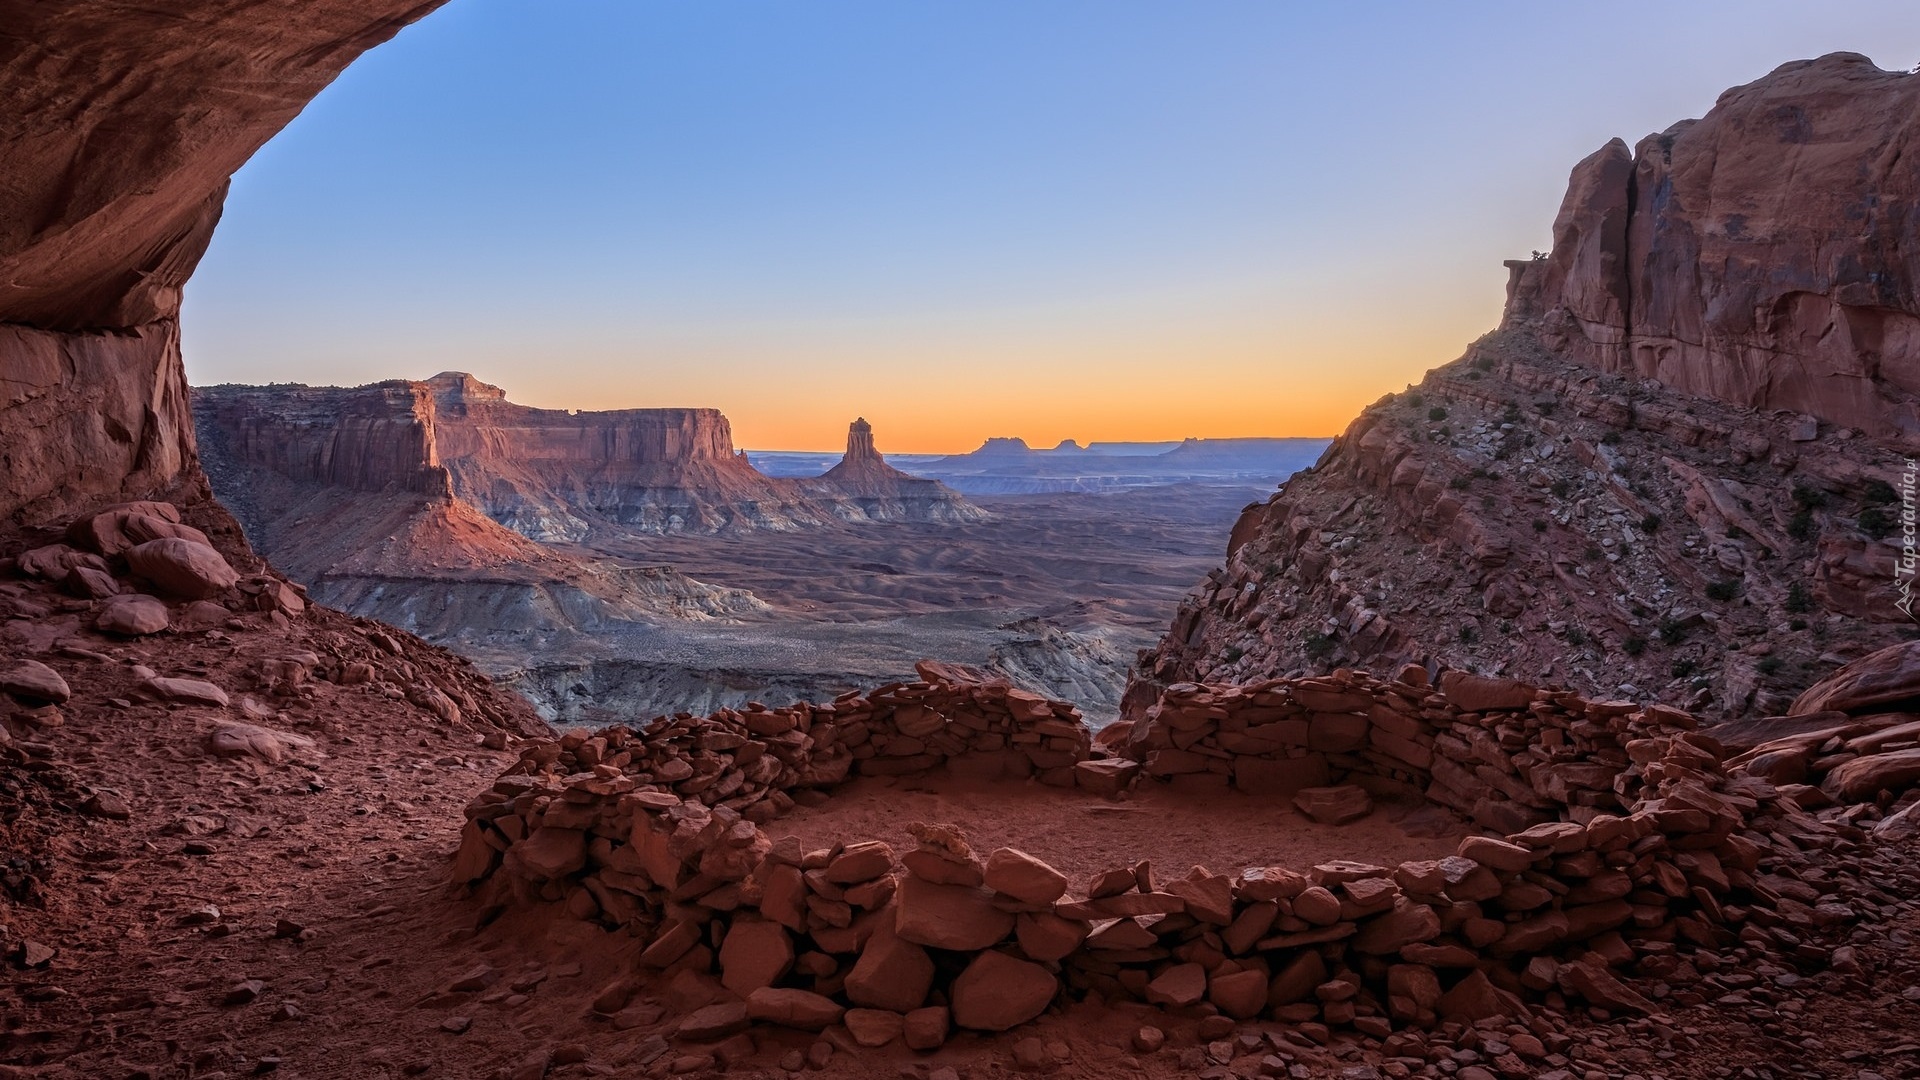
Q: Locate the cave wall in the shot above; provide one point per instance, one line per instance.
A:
(122, 124)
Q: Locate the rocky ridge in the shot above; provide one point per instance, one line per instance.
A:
(1607, 492)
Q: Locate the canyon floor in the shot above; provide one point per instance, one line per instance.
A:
(1057, 591)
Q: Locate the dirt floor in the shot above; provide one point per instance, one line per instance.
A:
(1083, 837)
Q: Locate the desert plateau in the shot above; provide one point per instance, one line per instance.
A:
(1556, 719)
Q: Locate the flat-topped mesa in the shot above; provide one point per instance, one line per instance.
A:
(1762, 255)
(370, 438)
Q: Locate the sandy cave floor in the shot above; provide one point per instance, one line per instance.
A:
(1082, 836)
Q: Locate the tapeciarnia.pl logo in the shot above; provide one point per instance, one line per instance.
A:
(1904, 563)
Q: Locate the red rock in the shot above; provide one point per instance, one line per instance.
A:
(1270, 883)
(1597, 985)
(926, 1029)
(754, 955)
(860, 862)
(1296, 981)
(1045, 936)
(131, 615)
(1023, 877)
(949, 916)
(191, 691)
(934, 867)
(1413, 992)
(1409, 923)
(715, 1022)
(1498, 854)
(1864, 777)
(1318, 906)
(1481, 693)
(182, 568)
(90, 584)
(1241, 995)
(873, 1027)
(997, 992)
(1334, 805)
(891, 973)
(33, 681)
(1106, 777)
(1877, 682)
(548, 853)
(249, 740)
(1179, 985)
(1472, 998)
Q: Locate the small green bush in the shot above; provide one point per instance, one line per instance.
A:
(1769, 666)
(1635, 645)
(1798, 600)
(1723, 590)
(1650, 523)
(1879, 493)
(1436, 414)
(1876, 522)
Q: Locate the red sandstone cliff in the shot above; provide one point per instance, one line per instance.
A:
(1669, 471)
(1764, 255)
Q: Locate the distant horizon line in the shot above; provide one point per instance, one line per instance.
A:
(884, 452)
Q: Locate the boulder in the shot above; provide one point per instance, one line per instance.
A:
(715, 1022)
(35, 682)
(926, 1029)
(1334, 805)
(997, 992)
(88, 583)
(860, 862)
(188, 691)
(891, 973)
(802, 1009)
(1878, 682)
(1483, 693)
(1047, 937)
(755, 954)
(182, 568)
(1023, 877)
(949, 916)
(248, 740)
(1241, 994)
(873, 1027)
(131, 615)
(1178, 986)
(548, 854)
(1864, 777)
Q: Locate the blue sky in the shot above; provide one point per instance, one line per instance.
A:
(1096, 220)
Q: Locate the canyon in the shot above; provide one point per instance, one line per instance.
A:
(614, 566)
(245, 834)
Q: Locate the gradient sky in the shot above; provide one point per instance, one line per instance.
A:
(1059, 219)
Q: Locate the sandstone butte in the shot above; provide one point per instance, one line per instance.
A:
(1641, 895)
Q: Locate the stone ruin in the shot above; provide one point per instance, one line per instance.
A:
(1626, 856)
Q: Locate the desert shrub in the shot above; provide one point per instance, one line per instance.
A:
(1460, 483)
(1801, 525)
(1468, 635)
(1723, 590)
(1876, 522)
(1878, 493)
(1436, 414)
(1539, 524)
(1769, 665)
(1672, 631)
(1799, 601)
(1233, 653)
(1561, 488)
(1634, 645)
(1576, 635)
(1681, 667)
(1317, 645)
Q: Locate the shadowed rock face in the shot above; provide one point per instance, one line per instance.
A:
(1765, 255)
(123, 125)
(1671, 470)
